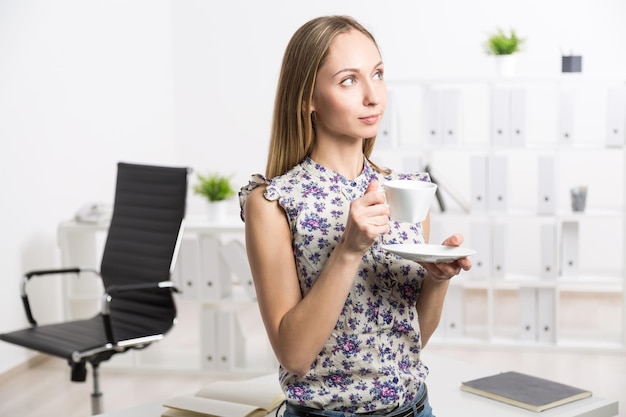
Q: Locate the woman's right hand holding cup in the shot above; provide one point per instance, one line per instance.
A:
(368, 218)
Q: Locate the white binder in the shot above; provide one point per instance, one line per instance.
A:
(566, 117)
(441, 116)
(498, 188)
(500, 116)
(230, 344)
(454, 312)
(616, 116)
(208, 337)
(548, 248)
(546, 180)
(478, 184)
(480, 240)
(235, 258)
(216, 282)
(499, 250)
(188, 269)
(517, 127)
(432, 118)
(569, 248)
(256, 350)
(528, 313)
(449, 108)
(546, 315)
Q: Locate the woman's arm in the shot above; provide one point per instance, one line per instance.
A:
(299, 327)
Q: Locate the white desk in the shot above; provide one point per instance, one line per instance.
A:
(448, 400)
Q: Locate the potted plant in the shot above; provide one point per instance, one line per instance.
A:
(216, 189)
(504, 47)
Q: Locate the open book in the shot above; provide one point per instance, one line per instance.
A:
(250, 398)
(525, 391)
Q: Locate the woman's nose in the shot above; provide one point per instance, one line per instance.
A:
(373, 93)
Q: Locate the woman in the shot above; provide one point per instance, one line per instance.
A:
(346, 319)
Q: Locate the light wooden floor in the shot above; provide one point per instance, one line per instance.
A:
(45, 389)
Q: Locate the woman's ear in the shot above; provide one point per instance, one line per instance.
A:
(310, 109)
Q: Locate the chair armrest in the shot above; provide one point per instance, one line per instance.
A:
(113, 290)
(40, 272)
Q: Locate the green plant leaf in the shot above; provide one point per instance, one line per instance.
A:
(500, 43)
(213, 186)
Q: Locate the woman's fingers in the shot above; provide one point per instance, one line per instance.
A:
(446, 271)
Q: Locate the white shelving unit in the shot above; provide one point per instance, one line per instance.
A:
(544, 276)
(509, 150)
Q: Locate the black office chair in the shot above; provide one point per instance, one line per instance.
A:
(138, 305)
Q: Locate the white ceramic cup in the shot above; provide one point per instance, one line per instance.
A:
(409, 200)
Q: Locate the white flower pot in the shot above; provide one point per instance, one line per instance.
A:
(217, 211)
(505, 65)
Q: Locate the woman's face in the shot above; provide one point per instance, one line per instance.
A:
(350, 94)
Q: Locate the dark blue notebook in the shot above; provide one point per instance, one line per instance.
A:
(526, 391)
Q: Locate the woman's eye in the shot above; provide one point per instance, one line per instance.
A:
(378, 75)
(349, 81)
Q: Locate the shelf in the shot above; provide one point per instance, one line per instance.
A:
(589, 284)
(515, 282)
(239, 295)
(528, 148)
(506, 153)
(585, 346)
(578, 78)
(468, 340)
(511, 214)
(583, 283)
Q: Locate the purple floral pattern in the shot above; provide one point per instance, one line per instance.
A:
(372, 359)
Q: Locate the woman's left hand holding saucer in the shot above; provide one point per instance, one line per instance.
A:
(445, 271)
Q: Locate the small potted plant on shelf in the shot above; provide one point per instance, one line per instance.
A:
(216, 189)
(503, 47)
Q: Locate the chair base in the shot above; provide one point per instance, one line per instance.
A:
(96, 395)
(96, 404)
(79, 372)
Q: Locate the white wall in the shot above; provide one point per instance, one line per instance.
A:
(83, 84)
(87, 83)
(226, 59)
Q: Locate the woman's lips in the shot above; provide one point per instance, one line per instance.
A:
(370, 120)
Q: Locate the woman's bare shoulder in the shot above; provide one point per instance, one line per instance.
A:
(258, 206)
(256, 198)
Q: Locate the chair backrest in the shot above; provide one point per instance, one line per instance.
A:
(148, 211)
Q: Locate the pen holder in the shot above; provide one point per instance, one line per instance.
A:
(572, 63)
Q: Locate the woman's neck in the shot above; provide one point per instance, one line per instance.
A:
(345, 161)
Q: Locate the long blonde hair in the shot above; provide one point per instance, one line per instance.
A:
(293, 132)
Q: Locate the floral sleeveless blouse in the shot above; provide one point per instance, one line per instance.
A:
(372, 359)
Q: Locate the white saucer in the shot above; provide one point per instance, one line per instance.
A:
(429, 253)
